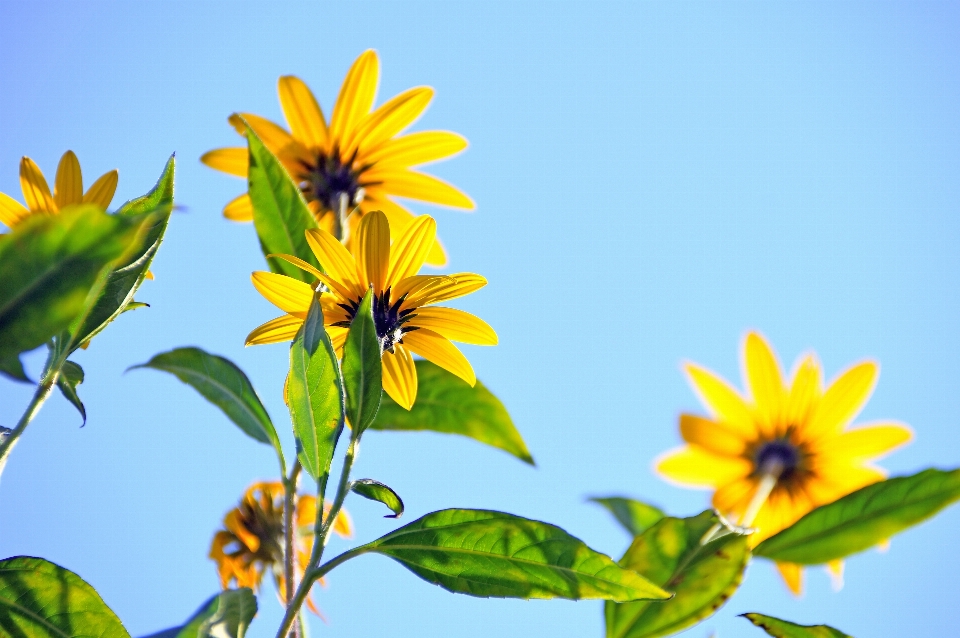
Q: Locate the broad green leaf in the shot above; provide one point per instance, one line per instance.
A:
(377, 491)
(670, 555)
(783, 629)
(636, 517)
(362, 370)
(446, 403)
(863, 518)
(223, 384)
(315, 395)
(71, 375)
(280, 212)
(225, 615)
(39, 599)
(160, 196)
(492, 554)
(49, 266)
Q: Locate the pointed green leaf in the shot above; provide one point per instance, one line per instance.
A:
(315, 395)
(49, 266)
(863, 518)
(492, 554)
(445, 403)
(783, 629)
(71, 375)
(39, 599)
(280, 212)
(362, 370)
(636, 517)
(160, 196)
(377, 491)
(225, 615)
(670, 555)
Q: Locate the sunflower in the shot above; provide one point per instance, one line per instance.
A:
(252, 540)
(359, 159)
(783, 450)
(67, 191)
(406, 320)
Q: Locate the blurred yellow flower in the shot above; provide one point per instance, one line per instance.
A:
(67, 190)
(783, 450)
(252, 541)
(359, 159)
(405, 318)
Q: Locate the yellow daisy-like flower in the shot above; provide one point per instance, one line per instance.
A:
(252, 541)
(359, 159)
(784, 449)
(407, 321)
(67, 191)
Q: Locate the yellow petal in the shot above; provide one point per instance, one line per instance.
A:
(411, 249)
(234, 523)
(427, 188)
(446, 288)
(721, 400)
(764, 381)
(338, 338)
(302, 112)
(273, 136)
(286, 293)
(356, 97)
(102, 191)
(835, 570)
(711, 435)
(68, 187)
(342, 525)
(433, 347)
(695, 466)
(732, 499)
(389, 119)
(417, 148)
(455, 325)
(833, 480)
(11, 211)
(866, 442)
(804, 391)
(277, 330)
(399, 218)
(234, 160)
(844, 399)
(373, 250)
(239, 209)
(35, 190)
(400, 376)
(336, 260)
(792, 575)
(299, 263)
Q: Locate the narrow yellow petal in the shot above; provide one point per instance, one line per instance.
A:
(400, 376)
(411, 249)
(275, 331)
(448, 287)
(415, 149)
(342, 525)
(400, 218)
(419, 284)
(11, 211)
(286, 293)
(338, 338)
(68, 187)
(392, 117)
(234, 160)
(356, 98)
(711, 436)
(804, 392)
(36, 193)
(336, 260)
(792, 575)
(103, 190)
(302, 112)
(299, 263)
(455, 325)
(273, 136)
(695, 466)
(866, 442)
(372, 250)
(763, 378)
(433, 347)
(833, 480)
(733, 498)
(239, 209)
(721, 400)
(427, 188)
(844, 398)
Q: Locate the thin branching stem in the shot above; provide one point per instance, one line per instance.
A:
(50, 374)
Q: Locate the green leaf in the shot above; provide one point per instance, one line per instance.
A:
(863, 518)
(71, 375)
(160, 196)
(484, 553)
(223, 384)
(670, 555)
(636, 517)
(376, 491)
(783, 629)
(315, 395)
(280, 212)
(49, 266)
(39, 599)
(362, 370)
(225, 615)
(446, 403)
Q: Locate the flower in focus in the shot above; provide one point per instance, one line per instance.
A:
(67, 191)
(359, 159)
(407, 322)
(252, 540)
(784, 449)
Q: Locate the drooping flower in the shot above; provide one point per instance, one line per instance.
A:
(358, 159)
(407, 321)
(783, 449)
(67, 191)
(252, 541)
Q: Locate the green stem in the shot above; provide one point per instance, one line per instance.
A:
(289, 505)
(50, 373)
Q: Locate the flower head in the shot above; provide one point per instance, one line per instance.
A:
(407, 321)
(784, 449)
(67, 191)
(359, 158)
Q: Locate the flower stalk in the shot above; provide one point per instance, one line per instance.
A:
(51, 373)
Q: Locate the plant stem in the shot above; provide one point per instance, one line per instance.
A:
(49, 379)
(289, 505)
(767, 483)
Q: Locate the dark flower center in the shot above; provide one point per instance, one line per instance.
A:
(388, 319)
(779, 458)
(328, 179)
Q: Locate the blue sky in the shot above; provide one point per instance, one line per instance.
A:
(652, 180)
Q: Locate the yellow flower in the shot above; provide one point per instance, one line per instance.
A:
(252, 541)
(406, 320)
(783, 450)
(358, 158)
(67, 190)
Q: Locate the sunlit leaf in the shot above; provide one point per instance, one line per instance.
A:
(71, 375)
(39, 599)
(362, 370)
(670, 554)
(225, 615)
(636, 517)
(447, 404)
(783, 629)
(376, 491)
(863, 518)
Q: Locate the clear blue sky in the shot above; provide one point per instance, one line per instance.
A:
(652, 180)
